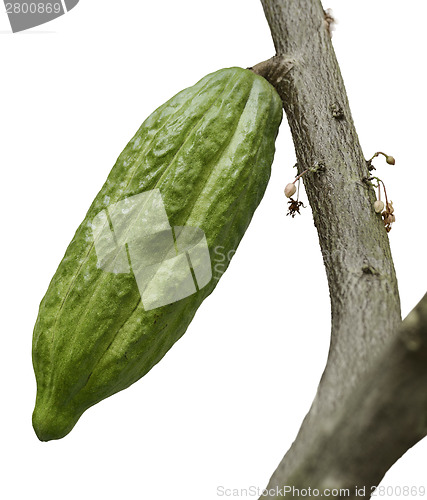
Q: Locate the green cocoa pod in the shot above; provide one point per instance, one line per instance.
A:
(140, 264)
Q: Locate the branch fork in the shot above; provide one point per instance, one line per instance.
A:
(371, 404)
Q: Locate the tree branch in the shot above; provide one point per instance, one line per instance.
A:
(365, 301)
(383, 418)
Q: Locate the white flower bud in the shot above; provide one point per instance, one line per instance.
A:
(290, 190)
(390, 160)
(379, 206)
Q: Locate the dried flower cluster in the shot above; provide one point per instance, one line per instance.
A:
(388, 216)
(294, 206)
(290, 190)
(386, 210)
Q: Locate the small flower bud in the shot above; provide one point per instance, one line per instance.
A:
(379, 206)
(390, 160)
(290, 190)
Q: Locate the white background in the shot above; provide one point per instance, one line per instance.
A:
(226, 402)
